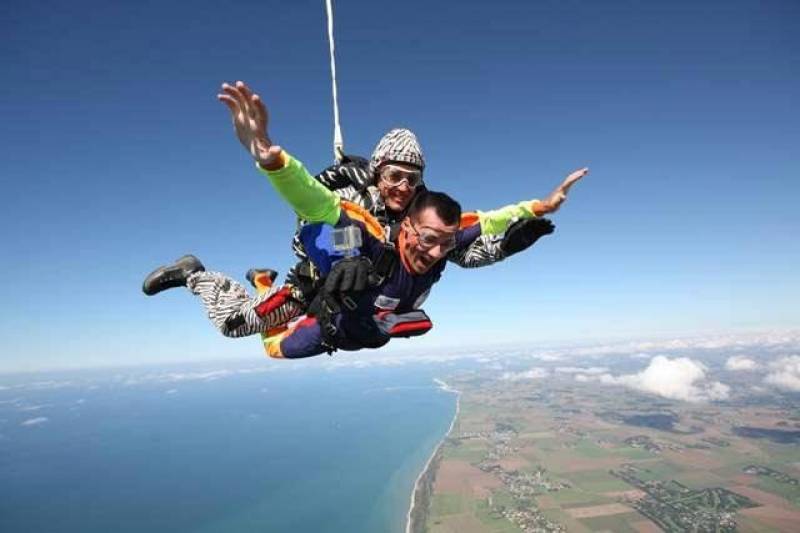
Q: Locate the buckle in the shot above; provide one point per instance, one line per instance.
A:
(349, 303)
(330, 329)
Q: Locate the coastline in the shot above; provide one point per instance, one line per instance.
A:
(423, 486)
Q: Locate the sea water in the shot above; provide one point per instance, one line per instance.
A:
(217, 450)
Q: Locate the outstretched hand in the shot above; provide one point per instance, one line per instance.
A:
(250, 120)
(559, 195)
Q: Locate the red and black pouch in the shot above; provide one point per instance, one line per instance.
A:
(410, 324)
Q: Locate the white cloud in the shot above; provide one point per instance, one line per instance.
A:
(533, 373)
(35, 421)
(179, 377)
(581, 370)
(678, 379)
(33, 407)
(739, 363)
(716, 390)
(49, 384)
(370, 358)
(785, 373)
(548, 357)
(770, 341)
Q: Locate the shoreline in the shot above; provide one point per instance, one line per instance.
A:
(427, 470)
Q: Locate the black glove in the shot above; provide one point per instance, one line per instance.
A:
(522, 234)
(356, 169)
(352, 170)
(349, 159)
(349, 275)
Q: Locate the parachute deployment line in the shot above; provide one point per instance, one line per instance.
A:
(338, 142)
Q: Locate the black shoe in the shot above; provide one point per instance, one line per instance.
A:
(254, 272)
(171, 276)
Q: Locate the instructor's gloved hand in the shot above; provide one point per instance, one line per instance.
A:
(356, 169)
(356, 160)
(522, 234)
(349, 275)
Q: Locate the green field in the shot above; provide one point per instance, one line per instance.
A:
(502, 498)
(596, 481)
(784, 490)
(493, 520)
(658, 471)
(578, 498)
(700, 479)
(618, 523)
(587, 448)
(548, 445)
(445, 504)
(472, 452)
(634, 453)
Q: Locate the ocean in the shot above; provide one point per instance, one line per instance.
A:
(261, 448)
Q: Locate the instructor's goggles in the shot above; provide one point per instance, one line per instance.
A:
(395, 176)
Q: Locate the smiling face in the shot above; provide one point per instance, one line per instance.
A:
(397, 183)
(427, 239)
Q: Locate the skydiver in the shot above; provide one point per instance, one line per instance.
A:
(372, 290)
(385, 185)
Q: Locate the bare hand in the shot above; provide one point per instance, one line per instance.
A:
(250, 121)
(559, 195)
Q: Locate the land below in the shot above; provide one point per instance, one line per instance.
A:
(552, 455)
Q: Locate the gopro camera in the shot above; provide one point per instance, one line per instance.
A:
(347, 240)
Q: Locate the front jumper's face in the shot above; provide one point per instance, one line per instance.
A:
(427, 240)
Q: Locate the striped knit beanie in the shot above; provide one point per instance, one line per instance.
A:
(398, 146)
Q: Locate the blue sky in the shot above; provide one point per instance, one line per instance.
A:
(117, 158)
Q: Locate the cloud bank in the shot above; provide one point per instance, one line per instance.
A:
(533, 373)
(767, 341)
(785, 373)
(581, 370)
(739, 363)
(677, 379)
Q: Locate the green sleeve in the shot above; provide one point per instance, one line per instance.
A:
(308, 197)
(496, 222)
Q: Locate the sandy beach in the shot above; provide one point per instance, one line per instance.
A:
(426, 475)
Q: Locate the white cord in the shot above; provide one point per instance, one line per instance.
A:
(338, 142)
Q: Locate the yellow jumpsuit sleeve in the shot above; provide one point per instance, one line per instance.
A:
(308, 197)
(497, 221)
